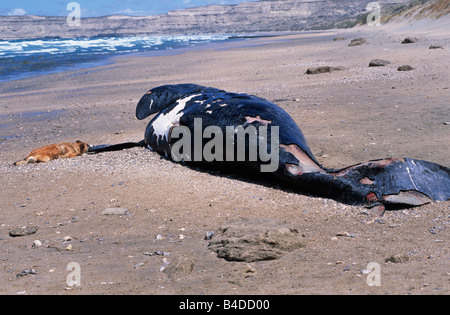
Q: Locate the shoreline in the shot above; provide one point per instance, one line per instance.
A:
(60, 62)
(109, 59)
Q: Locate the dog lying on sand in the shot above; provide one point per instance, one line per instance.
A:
(55, 151)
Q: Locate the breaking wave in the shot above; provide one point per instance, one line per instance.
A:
(23, 58)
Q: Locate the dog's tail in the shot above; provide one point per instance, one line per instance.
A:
(114, 147)
(22, 162)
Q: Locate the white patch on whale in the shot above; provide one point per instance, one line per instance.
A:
(162, 124)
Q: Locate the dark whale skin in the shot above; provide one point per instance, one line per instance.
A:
(378, 184)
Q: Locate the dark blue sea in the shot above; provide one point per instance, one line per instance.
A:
(25, 58)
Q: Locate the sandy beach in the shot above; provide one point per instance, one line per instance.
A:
(350, 116)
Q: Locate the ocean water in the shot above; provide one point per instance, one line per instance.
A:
(24, 58)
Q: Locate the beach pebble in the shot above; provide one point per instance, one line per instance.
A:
(398, 258)
(23, 231)
(115, 211)
(409, 40)
(36, 244)
(357, 41)
(67, 238)
(346, 234)
(248, 271)
(378, 63)
(436, 47)
(324, 69)
(138, 265)
(208, 235)
(26, 272)
(405, 68)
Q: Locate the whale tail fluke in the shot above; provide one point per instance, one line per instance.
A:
(378, 184)
(393, 183)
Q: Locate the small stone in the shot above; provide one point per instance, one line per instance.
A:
(405, 68)
(23, 231)
(323, 69)
(26, 272)
(67, 238)
(159, 237)
(447, 123)
(345, 234)
(436, 47)
(249, 269)
(138, 265)
(69, 248)
(115, 211)
(378, 63)
(208, 235)
(399, 258)
(357, 42)
(36, 244)
(338, 38)
(409, 40)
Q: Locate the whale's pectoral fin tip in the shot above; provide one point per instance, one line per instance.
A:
(409, 198)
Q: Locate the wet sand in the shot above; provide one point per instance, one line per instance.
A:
(348, 116)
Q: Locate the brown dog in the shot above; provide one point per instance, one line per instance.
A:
(55, 151)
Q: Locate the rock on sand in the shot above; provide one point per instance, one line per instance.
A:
(378, 63)
(255, 239)
(324, 69)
